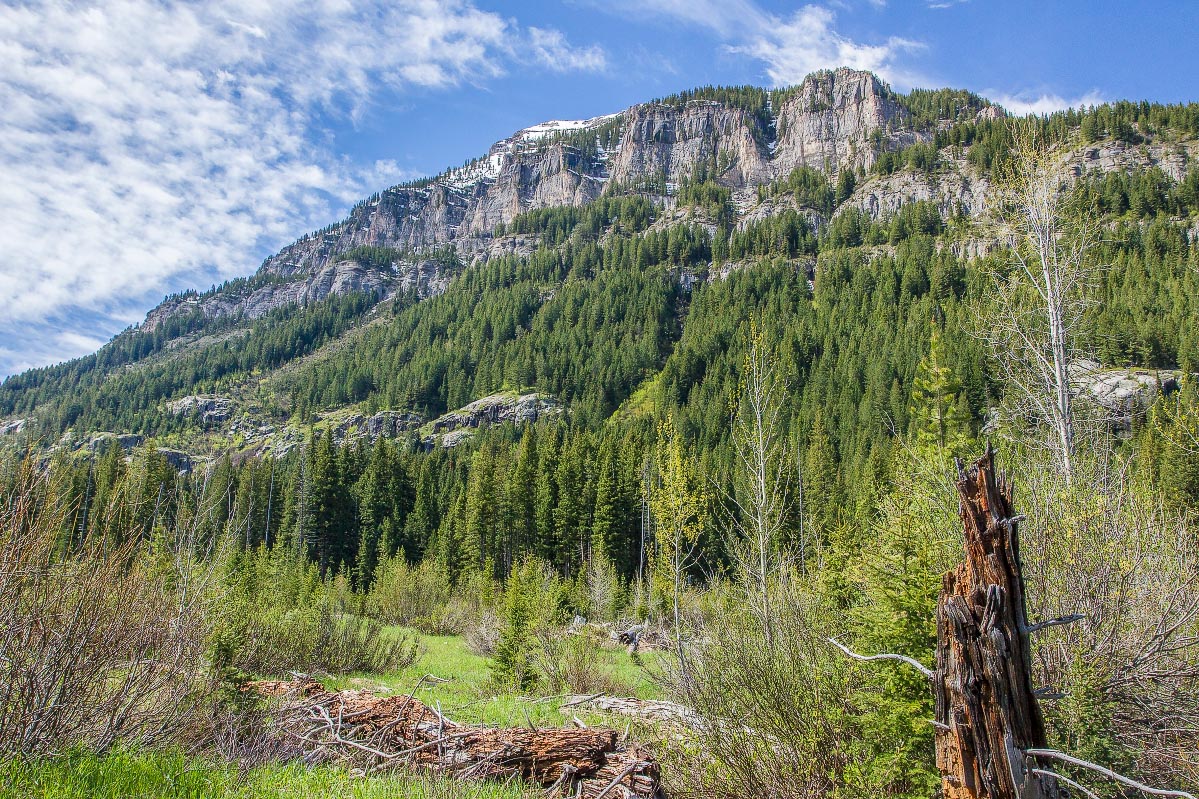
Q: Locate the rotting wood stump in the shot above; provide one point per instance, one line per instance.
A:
(376, 733)
(986, 711)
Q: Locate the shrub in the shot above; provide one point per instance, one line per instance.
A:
(775, 717)
(282, 617)
(101, 644)
(417, 596)
(569, 662)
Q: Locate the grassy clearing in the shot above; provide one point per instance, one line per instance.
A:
(470, 697)
(171, 775)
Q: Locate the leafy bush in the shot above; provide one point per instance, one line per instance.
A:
(776, 717)
(416, 596)
(100, 644)
(569, 662)
(282, 617)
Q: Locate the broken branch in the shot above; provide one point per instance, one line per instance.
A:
(916, 664)
(1053, 754)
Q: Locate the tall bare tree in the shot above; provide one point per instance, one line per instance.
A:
(762, 483)
(1042, 294)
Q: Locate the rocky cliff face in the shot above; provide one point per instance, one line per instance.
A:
(837, 120)
(834, 120)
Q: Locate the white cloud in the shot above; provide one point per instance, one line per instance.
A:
(808, 41)
(727, 19)
(552, 50)
(1023, 103)
(147, 145)
(790, 47)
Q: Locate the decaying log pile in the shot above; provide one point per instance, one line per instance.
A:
(647, 709)
(375, 733)
(987, 715)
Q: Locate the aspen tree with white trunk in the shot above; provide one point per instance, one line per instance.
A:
(761, 498)
(1041, 296)
(680, 511)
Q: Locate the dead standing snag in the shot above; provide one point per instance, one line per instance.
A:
(986, 711)
(990, 735)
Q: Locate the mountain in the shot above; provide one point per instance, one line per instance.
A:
(832, 122)
(607, 223)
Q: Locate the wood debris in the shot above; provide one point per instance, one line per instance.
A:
(376, 733)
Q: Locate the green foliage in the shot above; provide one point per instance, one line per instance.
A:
(174, 775)
(810, 188)
(523, 600)
(280, 618)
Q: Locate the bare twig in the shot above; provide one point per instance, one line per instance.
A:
(1067, 780)
(1041, 625)
(628, 770)
(916, 664)
(1053, 754)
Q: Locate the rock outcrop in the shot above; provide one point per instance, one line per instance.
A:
(1122, 395)
(830, 121)
(208, 410)
(452, 428)
(834, 120)
(14, 426)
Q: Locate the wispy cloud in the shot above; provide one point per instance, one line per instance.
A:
(1023, 103)
(552, 50)
(808, 41)
(790, 47)
(147, 145)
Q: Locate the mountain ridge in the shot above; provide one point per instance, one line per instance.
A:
(700, 184)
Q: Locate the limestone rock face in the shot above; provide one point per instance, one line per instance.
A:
(13, 426)
(384, 424)
(1122, 395)
(664, 140)
(208, 410)
(830, 121)
(835, 120)
(452, 428)
(956, 186)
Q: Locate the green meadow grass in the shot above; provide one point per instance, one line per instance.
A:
(172, 775)
(469, 695)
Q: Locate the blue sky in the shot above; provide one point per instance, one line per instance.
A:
(148, 147)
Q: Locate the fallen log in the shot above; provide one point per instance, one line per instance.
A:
(648, 709)
(376, 733)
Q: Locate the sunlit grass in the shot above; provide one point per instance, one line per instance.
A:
(137, 774)
(469, 696)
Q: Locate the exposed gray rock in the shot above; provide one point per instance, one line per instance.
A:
(384, 424)
(452, 428)
(126, 441)
(1123, 394)
(208, 410)
(179, 461)
(955, 186)
(14, 426)
(835, 120)
(829, 122)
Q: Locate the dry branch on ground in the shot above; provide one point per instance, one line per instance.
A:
(375, 733)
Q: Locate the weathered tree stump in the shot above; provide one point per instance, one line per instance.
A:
(986, 712)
